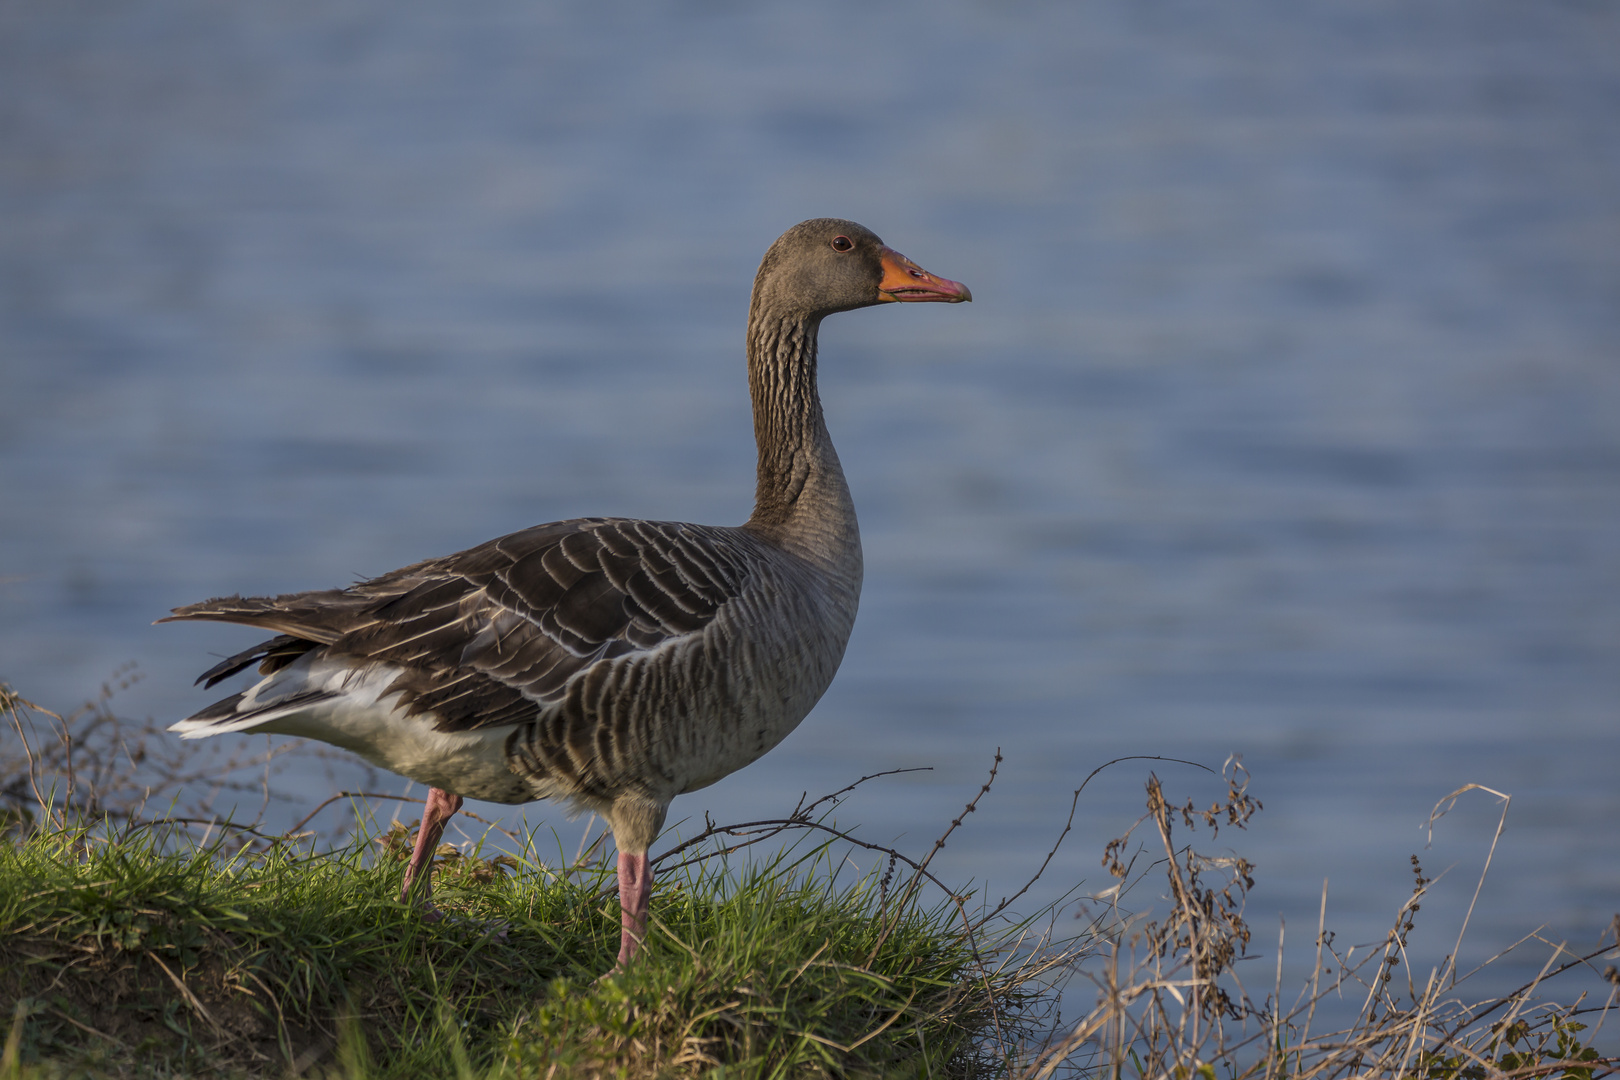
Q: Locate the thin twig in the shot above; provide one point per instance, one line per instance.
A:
(800, 815)
(1449, 801)
(911, 886)
(1074, 803)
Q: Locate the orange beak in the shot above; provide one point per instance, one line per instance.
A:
(904, 280)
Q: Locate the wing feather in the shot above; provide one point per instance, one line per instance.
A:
(494, 634)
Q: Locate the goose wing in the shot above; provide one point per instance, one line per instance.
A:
(491, 635)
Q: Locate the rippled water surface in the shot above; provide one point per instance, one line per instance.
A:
(1286, 421)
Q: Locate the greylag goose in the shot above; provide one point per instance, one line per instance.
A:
(608, 662)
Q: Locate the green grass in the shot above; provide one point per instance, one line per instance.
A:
(134, 958)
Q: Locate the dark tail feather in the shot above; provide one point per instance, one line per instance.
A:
(275, 654)
(219, 710)
(321, 617)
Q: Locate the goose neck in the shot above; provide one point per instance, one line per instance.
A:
(800, 499)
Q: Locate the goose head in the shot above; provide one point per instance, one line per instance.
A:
(826, 265)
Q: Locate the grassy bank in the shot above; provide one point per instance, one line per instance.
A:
(123, 957)
(142, 947)
(137, 945)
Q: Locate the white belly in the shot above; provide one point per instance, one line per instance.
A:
(469, 763)
(367, 720)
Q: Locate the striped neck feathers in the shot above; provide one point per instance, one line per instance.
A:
(800, 500)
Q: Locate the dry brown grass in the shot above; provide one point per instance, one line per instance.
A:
(1169, 1001)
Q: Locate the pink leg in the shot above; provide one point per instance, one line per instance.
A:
(635, 889)
(441, 805)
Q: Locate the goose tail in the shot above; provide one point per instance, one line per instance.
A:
(237, 713)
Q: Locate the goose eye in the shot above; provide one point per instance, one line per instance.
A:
(842, 243)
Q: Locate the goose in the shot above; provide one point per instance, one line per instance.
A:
(610, 663)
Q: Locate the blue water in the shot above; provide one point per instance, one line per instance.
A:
(1286, 421)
